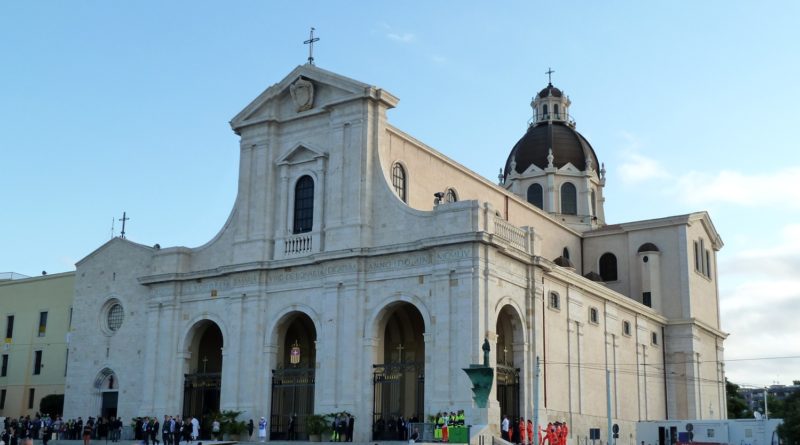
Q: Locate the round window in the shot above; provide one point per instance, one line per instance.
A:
(645, 259)
(115, 317)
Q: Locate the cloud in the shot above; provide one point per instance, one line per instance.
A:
(405, 37)
(760, 310)
(732, 187)
(398, 36)
(435, 58)
(775, 188)
(637, 168)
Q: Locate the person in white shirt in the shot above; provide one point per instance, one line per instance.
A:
(262, 430)
(195, 428)
(215, 429)
(504, 428)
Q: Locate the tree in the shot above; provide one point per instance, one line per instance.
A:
(777, 408)
(737, 406)
(52, 405)
(789, 430)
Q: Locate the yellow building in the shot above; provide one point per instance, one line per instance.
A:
(36, 317)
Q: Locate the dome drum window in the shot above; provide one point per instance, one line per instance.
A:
(569, 199)
(536, 195)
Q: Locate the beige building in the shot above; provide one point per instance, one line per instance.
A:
(360, 270)
(36, 314)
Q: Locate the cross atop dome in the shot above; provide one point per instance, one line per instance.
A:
(549, 72)
(551, 104)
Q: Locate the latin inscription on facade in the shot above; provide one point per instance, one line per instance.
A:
(313, 273)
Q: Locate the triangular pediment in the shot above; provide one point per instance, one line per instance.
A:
(301, 153)
(305, 91)
(568, 167)
(533, 168)
(114, 243)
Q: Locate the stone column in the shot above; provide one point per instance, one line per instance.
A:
(319, 206)
(163, 400)
(149, 382)
(232, 366)
(363, 413)
(269, 352)
(282, 213)
(550, 204)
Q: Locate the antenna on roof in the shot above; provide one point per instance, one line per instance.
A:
(112, 227)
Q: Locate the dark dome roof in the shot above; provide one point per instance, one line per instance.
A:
(550, 90)
(568, 146)
(594, 276)
(563, 262)
(648, 247)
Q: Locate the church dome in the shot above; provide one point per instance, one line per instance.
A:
(550, 90)
(568, 146)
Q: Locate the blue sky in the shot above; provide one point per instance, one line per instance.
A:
(119, 106)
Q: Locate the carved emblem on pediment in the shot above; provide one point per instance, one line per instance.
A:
(302, 92)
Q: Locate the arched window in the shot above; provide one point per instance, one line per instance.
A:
(555, 110)
(555, 301)
(608, 267)
(565, 253)
(450, 196)
(535, 195)
(569, 199)
(626, 327)
(399, 181)
(303, 205)
(544, 111)
(594, 204)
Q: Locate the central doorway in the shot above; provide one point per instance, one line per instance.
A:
(508, 354)
(399, 372)
(108, 388)
(202, 384)
(293, 379)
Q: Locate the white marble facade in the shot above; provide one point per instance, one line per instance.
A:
(367, 264)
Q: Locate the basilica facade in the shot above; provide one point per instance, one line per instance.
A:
(360, 270)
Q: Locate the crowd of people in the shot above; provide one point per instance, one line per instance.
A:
(146, 430)
(520, 432)
(46, 428)
(342, 428)
(446, 423)
(396, 428)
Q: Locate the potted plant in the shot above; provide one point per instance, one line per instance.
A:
(316, 425)
(229, 425)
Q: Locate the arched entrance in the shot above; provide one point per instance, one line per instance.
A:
(203, 377)
(293, 377)
(107, 387)
(509, 355)
(399, 371)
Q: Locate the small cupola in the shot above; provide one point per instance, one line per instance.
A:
(551, 104)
